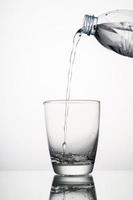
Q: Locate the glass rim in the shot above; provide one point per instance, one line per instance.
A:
(71, 101)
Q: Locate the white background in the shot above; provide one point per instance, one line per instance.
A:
(35, 44)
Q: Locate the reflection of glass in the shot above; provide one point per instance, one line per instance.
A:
(73, 188)
(77, 157)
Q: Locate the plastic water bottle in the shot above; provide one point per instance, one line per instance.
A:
(114, 30)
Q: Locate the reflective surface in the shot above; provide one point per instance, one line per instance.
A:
(73, 187)
(37, 185)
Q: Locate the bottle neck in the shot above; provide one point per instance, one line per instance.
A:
(89, 24)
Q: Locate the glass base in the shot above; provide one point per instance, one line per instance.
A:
(73, 169)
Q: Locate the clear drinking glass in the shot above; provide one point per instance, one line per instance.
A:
(77, 156)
